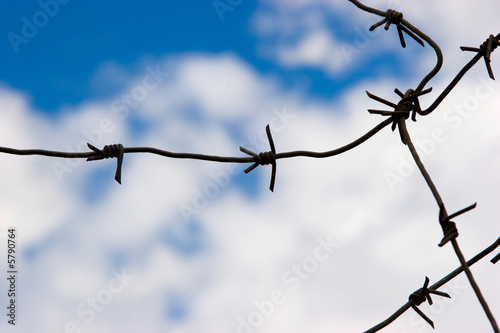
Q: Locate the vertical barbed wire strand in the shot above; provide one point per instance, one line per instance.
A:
(444, 216)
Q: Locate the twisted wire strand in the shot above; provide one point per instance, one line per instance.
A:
(110, 151)
(424, 294)
(264, 158)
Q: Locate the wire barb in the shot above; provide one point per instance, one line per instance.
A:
(437, 285)
(264, 158)
(449, 228)
(109, 151)
(408, 103)
(395, 17)
(485, 49)
(423, 294)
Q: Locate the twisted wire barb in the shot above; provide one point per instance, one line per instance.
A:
(485, 50)
(395, 17)
(264, 158)
(392, 16)
(421, 295)
(110, 151)
(407, 105)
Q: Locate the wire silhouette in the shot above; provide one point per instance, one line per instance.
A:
(407, 107)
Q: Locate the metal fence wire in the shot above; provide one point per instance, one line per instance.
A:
(407, 107)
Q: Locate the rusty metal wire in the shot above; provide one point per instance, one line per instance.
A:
(407, 107)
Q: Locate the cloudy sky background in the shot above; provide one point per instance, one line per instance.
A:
(201, 246)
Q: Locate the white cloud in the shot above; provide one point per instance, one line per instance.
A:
(340, 29)
(317, 50)
(220, 85)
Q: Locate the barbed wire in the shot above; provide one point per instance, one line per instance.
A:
(409, 103)
(419, 296)
(408, 106)
(264, 158)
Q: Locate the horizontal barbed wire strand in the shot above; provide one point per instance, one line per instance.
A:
(204, 157)
(255, 158)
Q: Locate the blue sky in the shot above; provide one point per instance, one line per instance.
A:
(192, 246)
(66, 52)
